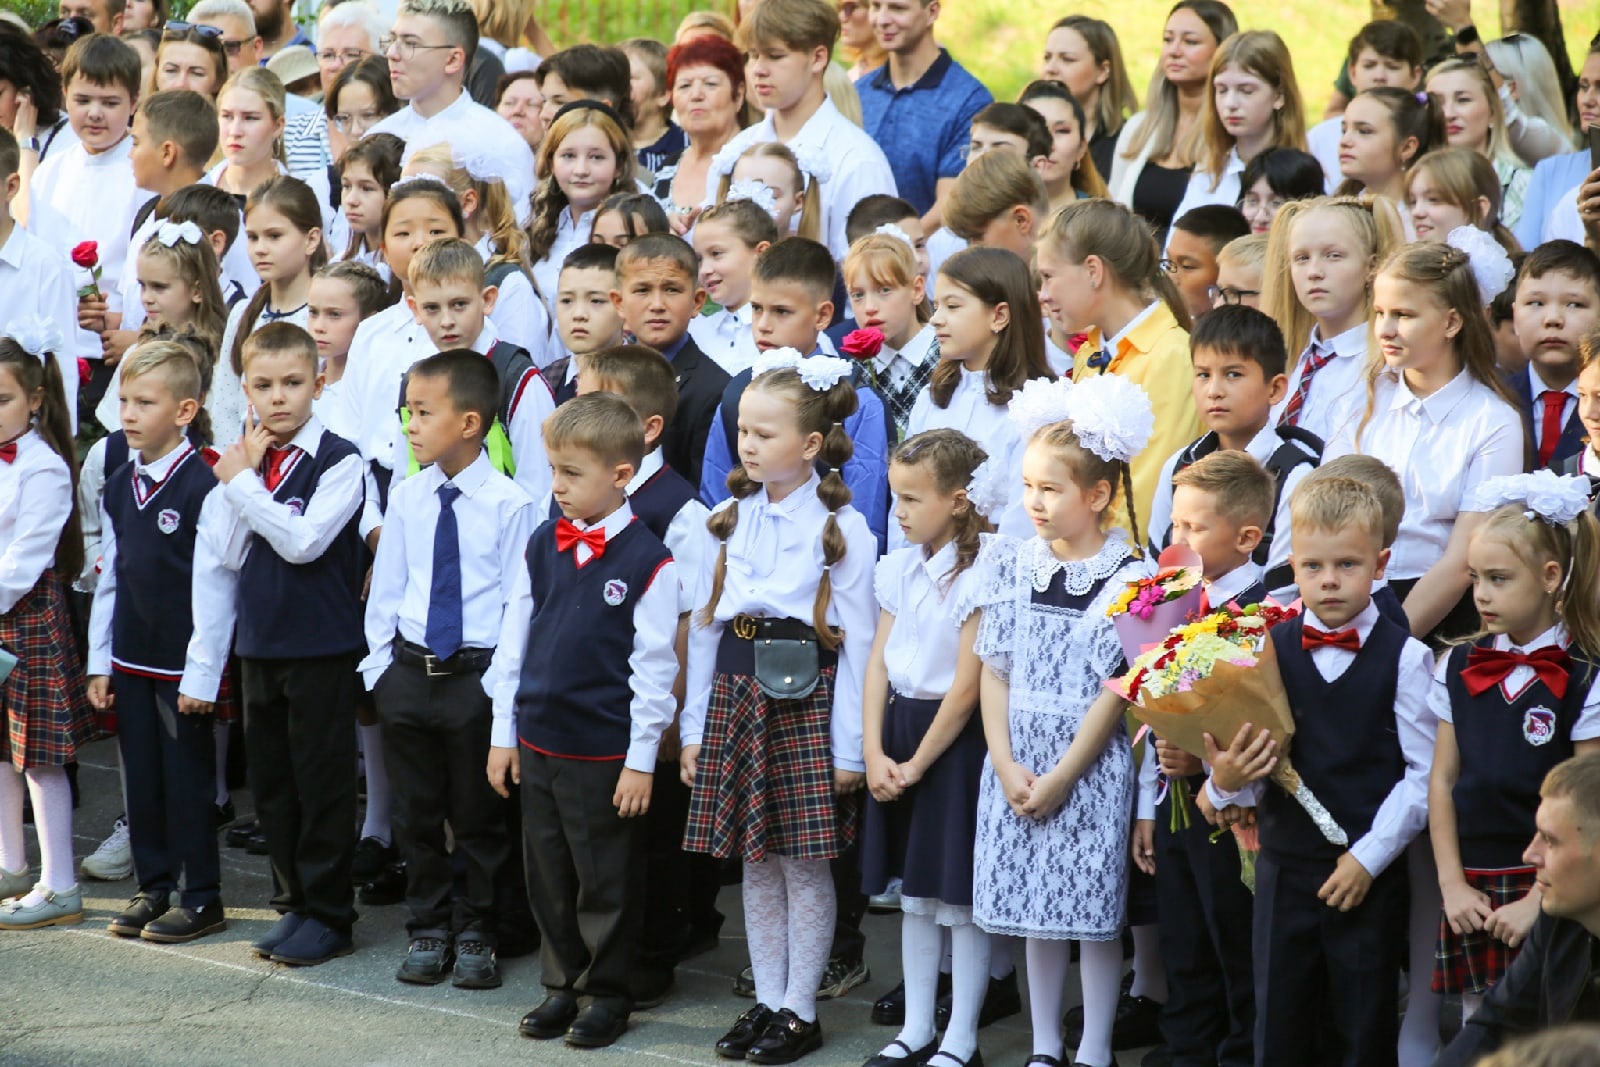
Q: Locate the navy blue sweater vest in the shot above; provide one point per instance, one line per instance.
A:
(1346, 745)
(573, 698)
(1506, 749)
(305, 610)
(657, 502)
(154, 618)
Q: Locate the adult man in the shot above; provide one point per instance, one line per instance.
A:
(1555, 979)
(276, 26)
(105, 14)
(919, 105)
(242, 42)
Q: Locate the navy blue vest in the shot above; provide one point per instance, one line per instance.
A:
(116, 453)
(1346, 745)
(301, 611)
(657, 502)
(573, 698)
(153, 618)
(1506, 749)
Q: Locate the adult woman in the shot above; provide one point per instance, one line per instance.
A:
(501, 27)
(519, 101)
(861, 49)
(346, 34)
(1473, 119)
(706, 74)
(1083, 54)
(191, 58)
(1550, 207)
(30, 99)
(144, 15)
(1157, 148)
(1272, 179)
(1530, 95)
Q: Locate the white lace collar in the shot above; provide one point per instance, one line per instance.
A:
(1080, 574)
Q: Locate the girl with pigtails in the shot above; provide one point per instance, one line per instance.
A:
(771, 723)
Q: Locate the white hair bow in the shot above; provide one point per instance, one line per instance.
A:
(889, 229)
(822, 373)
(989, 489)
(775, 359)
(1112, 417)
(1555, 498)
(1491, 267)
(1040, 403)
(37, 335)
(170, 233)
(757, 192)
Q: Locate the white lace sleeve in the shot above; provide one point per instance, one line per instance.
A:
(983, 583)
(995, 589)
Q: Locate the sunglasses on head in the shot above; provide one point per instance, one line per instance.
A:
(175, 30)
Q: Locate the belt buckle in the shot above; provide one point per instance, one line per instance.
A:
(429, 662)
(744, 627)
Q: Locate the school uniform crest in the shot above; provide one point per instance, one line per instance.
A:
(295, 505)
(1539, 726)
(167, 521)
(615, 592)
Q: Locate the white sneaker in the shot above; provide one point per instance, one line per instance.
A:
(113, 860)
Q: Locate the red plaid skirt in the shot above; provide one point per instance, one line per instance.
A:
(764, 782)
(1471, 963)
(47, 713)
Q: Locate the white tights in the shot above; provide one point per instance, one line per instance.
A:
(789, 908)
(1100, 970)
(379, 802)
(52, 817)
(1419, 1032)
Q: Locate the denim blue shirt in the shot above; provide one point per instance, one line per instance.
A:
(1553, 178)
(923, 127)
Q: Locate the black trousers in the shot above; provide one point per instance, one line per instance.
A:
(848, 941)
(300, 733)
(1209, 1017)
(584, 875)
(169, 786)
(436, 741)
(1327, 982)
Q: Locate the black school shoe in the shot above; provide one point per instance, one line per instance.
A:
(143, 908)
(476, 965)
(1000, 1000)
(751, 1025)
(890, 1009)
(314, 943)
(428, 960)
(388, 888)
(788, 1037)
(598, 1025)
(552, 1018)
(371, 858)
(1137, 1024)
(180, 924)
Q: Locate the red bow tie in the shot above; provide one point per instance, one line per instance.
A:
(1487, 667)
(1312, 638)
(8, 452)
(568, 535)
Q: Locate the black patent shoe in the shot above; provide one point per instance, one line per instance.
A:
(914, 1057)
(751, 1025)
(143, 908)
(552, 1018)
(239, 836)
(388, 888)
(890, 1009)
(598, 1025)
(788, 1037)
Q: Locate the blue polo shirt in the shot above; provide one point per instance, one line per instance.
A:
(922, 127)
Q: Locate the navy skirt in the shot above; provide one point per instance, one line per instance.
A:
(926, 837)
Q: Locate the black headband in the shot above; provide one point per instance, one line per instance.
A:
(592, 105)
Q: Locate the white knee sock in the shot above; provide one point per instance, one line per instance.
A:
(219, 739)
(1047, 979)
(13, 849)
(969, 981)
(920, 939)
(812, 908)
(766, 925)
(1149, 976)
(1100, 970)
(52, 818)
(1002, 955)
(376, 822)
(1419, 1032)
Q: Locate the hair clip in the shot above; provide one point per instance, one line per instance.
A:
(988, 491)
(170, 233)
(1112, 417)
(889, 229)
(822, 373)
(1554, 498)
(756, 191)
(37, 335)
(1491, 267)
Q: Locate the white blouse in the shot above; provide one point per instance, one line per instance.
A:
(1337, 395)
(226, 401)
(35, 501)
(925, 641)
(971, 412)
(1587, 725)
(569, 235)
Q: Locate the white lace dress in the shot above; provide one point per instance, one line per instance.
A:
(1044, 630)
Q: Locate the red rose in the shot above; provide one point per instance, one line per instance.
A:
(863, 343)
(86, 255)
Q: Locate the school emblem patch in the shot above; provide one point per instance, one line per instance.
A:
(615, 592)
(1539, 726)
(167, 521)
(295, 505)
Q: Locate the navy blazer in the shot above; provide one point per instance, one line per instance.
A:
(1572, 433)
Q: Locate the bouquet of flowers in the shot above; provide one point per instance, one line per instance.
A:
(1149, 608)
(87, 256)
(1212, 676)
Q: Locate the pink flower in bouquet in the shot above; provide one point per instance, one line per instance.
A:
(1144, 605)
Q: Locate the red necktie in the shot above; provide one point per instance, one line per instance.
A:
(1205, 601)
(1318, 358)
(1555, 405)
(1488, 667)
(8, 452)
(1312, 638)
(568, 536)
(277, 459)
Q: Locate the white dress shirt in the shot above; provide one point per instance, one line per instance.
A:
(774, 562)
(495, 518)
(860, 169)
(1442, 446)
(226, 400)
(75, 197)
(92, 475)
(570, 233)
(1322, 141)
(519, 315)
(1587, 726)
(35, 501)
(200, 681)
(475, 129)
(971, 412)
(1206, 188)
(383, 349)
(37, 280)
(1338, 393)
(652, 663)
(1536, 389)
(925, 641)
(727, 337)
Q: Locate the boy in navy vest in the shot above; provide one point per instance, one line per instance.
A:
(446, 564)
(1219, 507)
(288, 548)
(1239, 362)
(583, 691)
(1558, 302)
(141, 629)
(1330, 920)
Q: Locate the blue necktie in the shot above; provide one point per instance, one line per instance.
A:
(444, 599)
(1100, 360)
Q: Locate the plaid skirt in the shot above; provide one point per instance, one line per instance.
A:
(764, 782)
(47, 713)
(1471, 963)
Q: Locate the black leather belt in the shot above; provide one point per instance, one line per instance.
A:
(465, 661)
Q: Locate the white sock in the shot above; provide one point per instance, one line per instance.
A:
(766, 925)
(812, 909)
(219, 739)
(1002, 956)
(13, 849)
(1470, 1003)
(1048, 961)
(376, 823)
(1100, 970)
(945, 964)
(919, 962)
(52, 818)
(1149, 976)
(1419, 1031)
(969, 982)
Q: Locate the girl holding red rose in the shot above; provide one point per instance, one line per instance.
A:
(890, 301)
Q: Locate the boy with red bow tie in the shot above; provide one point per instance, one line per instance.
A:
(1330, 919)
(583, 679)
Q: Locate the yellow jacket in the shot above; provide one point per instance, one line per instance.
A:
(1155, 355)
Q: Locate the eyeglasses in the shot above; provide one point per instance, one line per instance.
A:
(406, 47)
(179, 30)
(359, 122)
(1229, 294)
(330, 57)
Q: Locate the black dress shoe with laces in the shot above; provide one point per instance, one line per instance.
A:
(598, 1025)
(143, 908)
(552, 1018)
(751, 1025)
(428, 960)
(179, 925)
(476, 965)
(788, 1037)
